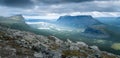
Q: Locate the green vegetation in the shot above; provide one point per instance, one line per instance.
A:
(74, 53)
(105, 55)
(116, 46)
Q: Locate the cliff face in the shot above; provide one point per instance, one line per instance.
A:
(12, 19)
(77, 21)
(17, 22)
(18, 18)
(14, 22)
(22, 44)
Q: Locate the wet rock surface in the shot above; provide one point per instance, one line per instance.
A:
(22, 44)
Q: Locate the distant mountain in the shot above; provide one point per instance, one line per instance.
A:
(109, 20)
(117, 21)
(98, 31)
(18, 18)
(18, 22)
(12, 19)
(113, 31)
(77, 21)
(118, 18)
(14, 22)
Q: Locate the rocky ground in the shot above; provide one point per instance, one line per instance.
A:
(22, 44)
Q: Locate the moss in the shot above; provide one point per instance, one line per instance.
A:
(13, 44)
(105, 55)
(73, 53)
(24, 51)
(2, 33)
(6, 38)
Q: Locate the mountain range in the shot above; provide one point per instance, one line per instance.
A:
(16, 42)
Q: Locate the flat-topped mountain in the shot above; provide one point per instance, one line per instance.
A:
(78, 21)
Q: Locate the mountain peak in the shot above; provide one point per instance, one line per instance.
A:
(14, 22)
(18, 17)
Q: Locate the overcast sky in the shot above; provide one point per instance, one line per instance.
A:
(52, 9)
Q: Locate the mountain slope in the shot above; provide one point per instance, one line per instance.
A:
(14, 22)
(22, 44)
(17, 22)
(109, 20)
(96, 31)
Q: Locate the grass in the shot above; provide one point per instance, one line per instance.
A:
(116, 46)
(105, 55)
(74, 53)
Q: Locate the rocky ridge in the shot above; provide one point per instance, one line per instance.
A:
(22, 44)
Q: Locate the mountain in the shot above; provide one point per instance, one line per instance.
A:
(114, 32)
(109, 20)
(77, 21)
(12, 19)
(118, 18)
(96, 31)
(22, 44)
(17, 22)
(18, 18)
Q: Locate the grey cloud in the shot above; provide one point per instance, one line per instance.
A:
(17, 3)
(29, 3)
(83, 7)
(44, 9)
(61, 1)
(32, 3)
